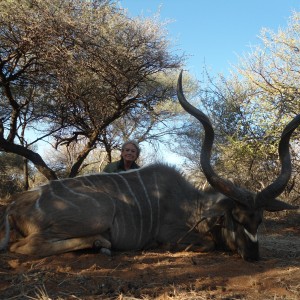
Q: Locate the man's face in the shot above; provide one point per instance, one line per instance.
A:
(129, 153)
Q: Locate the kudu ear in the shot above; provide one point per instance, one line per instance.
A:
(278, 205)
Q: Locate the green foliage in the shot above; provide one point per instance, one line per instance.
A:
(273, 69)
(249, 110)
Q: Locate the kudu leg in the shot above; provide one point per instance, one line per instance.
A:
(36, 244)
(174, 237)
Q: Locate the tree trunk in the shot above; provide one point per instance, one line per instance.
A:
(26, 174)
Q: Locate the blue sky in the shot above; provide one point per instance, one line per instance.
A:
(215, 32)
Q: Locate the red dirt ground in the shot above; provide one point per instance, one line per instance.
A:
(162, 275)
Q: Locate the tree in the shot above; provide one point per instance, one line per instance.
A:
(250, 108)
(274, 70)
(71, 69)
(11, 176)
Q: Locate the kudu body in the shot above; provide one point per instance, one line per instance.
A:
(143, 208)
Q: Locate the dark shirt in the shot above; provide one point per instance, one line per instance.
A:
(118, 166)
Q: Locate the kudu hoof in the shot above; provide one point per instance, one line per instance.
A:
(105, 251)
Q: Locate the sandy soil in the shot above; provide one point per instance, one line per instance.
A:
(160, 274)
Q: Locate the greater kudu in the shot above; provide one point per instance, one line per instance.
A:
(144, 208)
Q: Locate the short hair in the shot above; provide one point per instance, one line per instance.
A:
(135, 144)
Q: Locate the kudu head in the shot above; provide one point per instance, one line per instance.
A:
(240, 210)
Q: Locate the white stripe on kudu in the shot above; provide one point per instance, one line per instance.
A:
(138, 206)
(80, 195)
(158, 205)
(121, 213)
(148, 200)
(124, 220)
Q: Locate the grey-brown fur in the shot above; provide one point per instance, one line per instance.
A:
(130, 210)
(151, 206)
